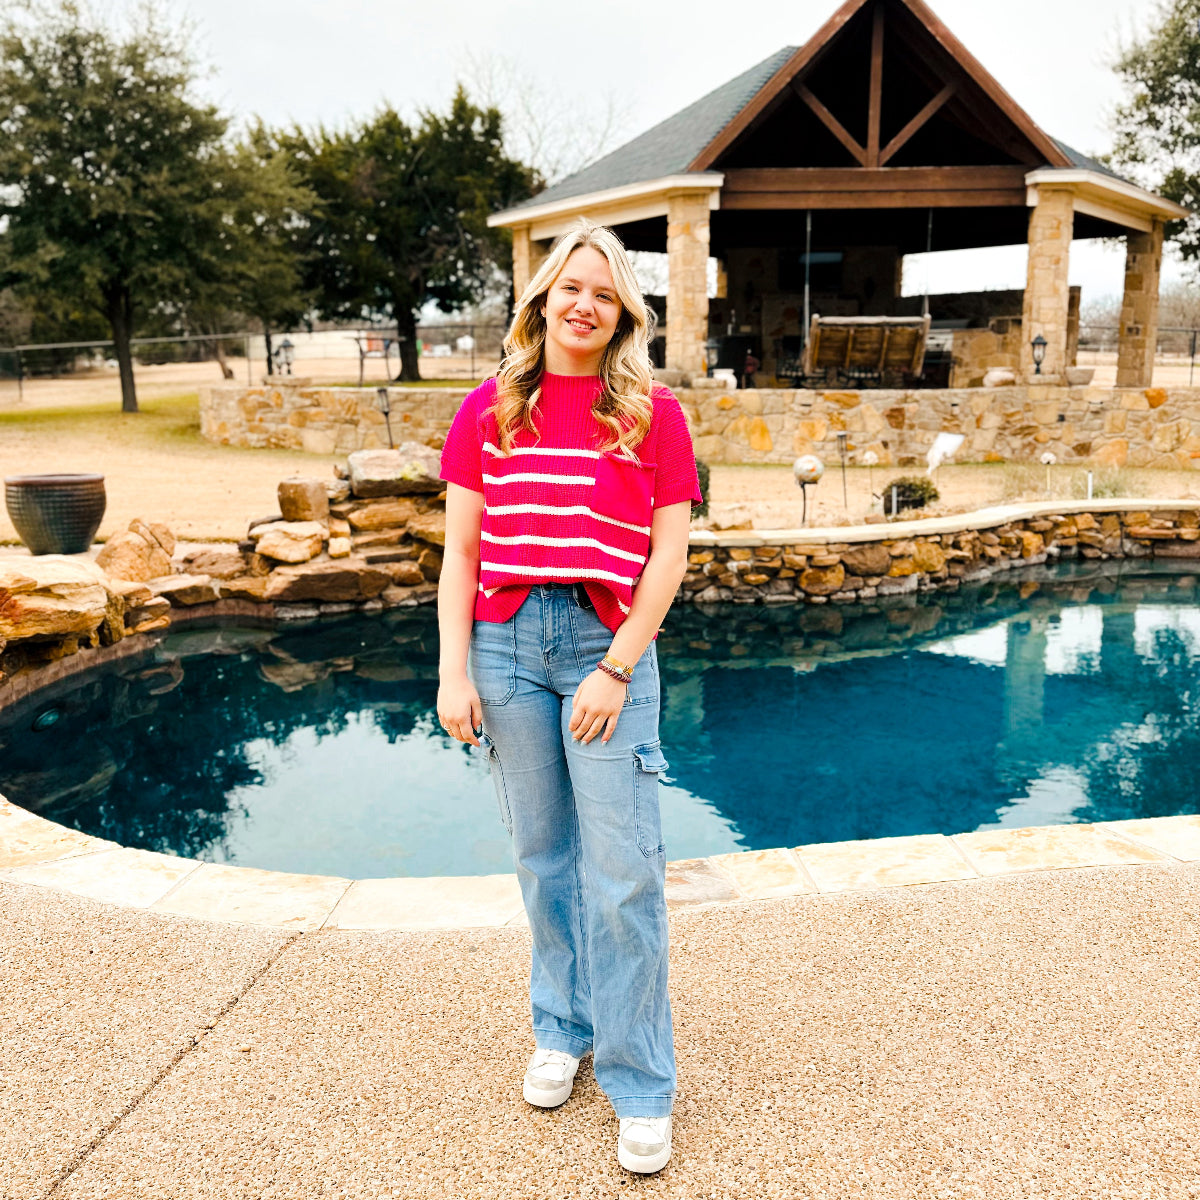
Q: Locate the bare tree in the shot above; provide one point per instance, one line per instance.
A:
(539, 129)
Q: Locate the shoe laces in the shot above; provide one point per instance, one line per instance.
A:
(638, 1127)
(559, 1060)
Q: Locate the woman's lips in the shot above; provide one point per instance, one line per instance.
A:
(580, 326)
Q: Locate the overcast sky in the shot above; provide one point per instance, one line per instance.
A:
(312, 62)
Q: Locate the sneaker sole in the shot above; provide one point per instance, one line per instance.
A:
(545, 1099)
(644, 1164)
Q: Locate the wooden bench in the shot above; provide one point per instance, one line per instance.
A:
(871, 351)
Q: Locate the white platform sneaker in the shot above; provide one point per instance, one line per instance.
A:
(644, 1144)
(549, 1078)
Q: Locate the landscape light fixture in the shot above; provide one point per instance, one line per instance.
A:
(1039, 353)
(384, 405)
(807, 469)
(285, 355)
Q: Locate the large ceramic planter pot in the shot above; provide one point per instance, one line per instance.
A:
(56, 514)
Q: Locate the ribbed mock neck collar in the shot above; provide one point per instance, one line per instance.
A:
(570, 387)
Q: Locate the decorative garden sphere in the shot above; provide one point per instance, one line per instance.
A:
(808, 468)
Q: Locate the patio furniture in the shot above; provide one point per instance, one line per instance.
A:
(373, 346)
(865, 351)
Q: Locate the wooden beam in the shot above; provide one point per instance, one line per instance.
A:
(967, 198)
(831, 122)
(986, 82)
(774, 86)
(889, 151)
(805, 180)
(875, 95)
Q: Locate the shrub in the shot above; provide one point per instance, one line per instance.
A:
(701, 510)
(911, 491)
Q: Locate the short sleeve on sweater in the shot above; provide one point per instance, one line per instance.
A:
(462, 455)
(675, 478)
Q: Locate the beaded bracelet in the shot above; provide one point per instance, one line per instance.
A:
(607, 666)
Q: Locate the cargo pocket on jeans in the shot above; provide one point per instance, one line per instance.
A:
(648, 767)
(493, 660)
(497, 770)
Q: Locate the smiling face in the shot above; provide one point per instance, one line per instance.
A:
(581, 310)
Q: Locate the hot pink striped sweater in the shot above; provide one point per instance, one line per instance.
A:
(559, 510)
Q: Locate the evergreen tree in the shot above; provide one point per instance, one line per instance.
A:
(402, 211)
(1157, 125)
(106, 167)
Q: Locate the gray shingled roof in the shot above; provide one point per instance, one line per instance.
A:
(669, 146)
(1088, 164)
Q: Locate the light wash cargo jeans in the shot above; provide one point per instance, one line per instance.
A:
(587, 843)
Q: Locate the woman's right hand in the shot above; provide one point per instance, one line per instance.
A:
(459, 709)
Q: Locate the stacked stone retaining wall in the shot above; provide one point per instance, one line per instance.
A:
(1116, 427)
(51, 608)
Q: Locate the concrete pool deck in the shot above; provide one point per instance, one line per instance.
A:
(36, 851)
(1002, 1035)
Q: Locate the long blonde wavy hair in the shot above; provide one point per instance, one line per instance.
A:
(623, 404)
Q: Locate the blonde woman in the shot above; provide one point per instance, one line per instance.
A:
(570, 479)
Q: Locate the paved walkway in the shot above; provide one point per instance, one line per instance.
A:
(1029, 1035)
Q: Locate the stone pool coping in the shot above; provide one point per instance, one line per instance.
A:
(980, 519)
(36, 851)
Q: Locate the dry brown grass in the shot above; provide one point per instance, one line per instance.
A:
(156, 465)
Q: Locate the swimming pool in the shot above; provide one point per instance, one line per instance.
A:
(1063, 695)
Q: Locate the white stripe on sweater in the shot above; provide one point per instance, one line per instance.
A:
(534, 477)
(571, 572)
(490, 449)
(532, 539)
(560, 510)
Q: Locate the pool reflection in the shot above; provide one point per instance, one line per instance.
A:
(1064, 698)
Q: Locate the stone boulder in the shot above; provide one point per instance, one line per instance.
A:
(141, 553)
(184, 590)
(870, 558)
(410, 468)
(383, 514)
(823, 581)
(52, 596)
(289, 541)
(217, 563)
(302, 499)
(429, 527)
(154, 531)
(348, 579)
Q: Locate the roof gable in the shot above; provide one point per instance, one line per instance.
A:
(883, 82)
(668, 147)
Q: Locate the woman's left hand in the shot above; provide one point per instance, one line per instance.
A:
(596, 706)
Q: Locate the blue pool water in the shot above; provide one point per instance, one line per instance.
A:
(1065, 697)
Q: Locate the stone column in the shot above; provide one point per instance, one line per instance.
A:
(687, 287)
(1139, 308)
(1047, 296)
(520, 261)
(528, 255)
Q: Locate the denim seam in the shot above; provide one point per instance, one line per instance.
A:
(573, 622)
(583, 968)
